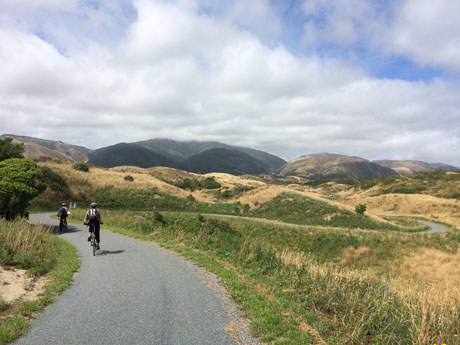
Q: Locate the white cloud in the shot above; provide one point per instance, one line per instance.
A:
(425, 31)
(185, 75)
(428, 32)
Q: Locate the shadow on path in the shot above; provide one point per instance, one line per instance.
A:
(70, 229)
(109, 252)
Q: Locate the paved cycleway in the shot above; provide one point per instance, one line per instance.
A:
(435, 228)
(129, 293)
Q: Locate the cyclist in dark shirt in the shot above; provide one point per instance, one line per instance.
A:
(94, 220)
(62, 214)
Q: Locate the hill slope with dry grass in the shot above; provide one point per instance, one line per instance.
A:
(42, 149)
(408, 167)
(326, 166)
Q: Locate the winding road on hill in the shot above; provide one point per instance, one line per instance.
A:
(130, 293)
(435, 228)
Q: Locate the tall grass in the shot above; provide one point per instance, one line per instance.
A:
(349, 285)
(26, 246)
(33, 248)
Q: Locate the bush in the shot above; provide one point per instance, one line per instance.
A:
(129, 178)
(81, 166)
(10, 150)
(19, 183)
(360, 209)
(210, 183)
(192, 184)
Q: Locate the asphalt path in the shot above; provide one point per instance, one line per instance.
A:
(129, 293)
(435, 228)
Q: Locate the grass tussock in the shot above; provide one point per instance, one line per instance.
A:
(35, 249)
(26, 246)
(349, 286)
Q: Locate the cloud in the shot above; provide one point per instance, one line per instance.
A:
(427, 32)
(424, 31)
(174, 70)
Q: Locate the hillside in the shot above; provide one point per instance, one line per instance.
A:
(180, 151)
(407, 167)
(129, 154)
(224, 160)
(335, 263)
(39, 149)
(326, 165)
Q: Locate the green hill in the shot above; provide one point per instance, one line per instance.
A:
(180, 151)
(224, 160)
(129, 154)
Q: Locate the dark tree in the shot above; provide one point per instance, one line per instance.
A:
(8, 149)
(19, 183)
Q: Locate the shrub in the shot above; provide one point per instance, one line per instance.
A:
(129, 178)
(19, 183)
(10, 150)
(81, 166)
(191, 198)
(360, 209)
(210, 183)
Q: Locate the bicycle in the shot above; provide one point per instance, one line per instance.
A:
(63, 225)
(93, 239)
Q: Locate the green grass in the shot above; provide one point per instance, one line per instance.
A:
(297, 209)
(287, 207)
(34, 248)
(437, 183)
(283, 277)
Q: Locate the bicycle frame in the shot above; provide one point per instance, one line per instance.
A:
(93, 238)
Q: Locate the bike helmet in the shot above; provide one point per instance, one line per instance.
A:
(93, 205)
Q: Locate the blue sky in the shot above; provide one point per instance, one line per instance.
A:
(378, 79)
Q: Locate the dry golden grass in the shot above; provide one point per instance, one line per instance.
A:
(446, 210)
(349, 253)
(432, 277)
(228, 180)
(96, 178)
(428, 282)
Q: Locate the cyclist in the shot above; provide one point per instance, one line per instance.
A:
(94, 220)
(62, 214)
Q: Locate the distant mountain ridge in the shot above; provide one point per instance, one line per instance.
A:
(130, 154)
(180, 151)
(37, 149)
(327, 166)
(408, 167)
(204, 157)
(228, 161)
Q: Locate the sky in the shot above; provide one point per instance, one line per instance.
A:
(375, 79)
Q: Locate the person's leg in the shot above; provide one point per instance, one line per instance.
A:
(90, 229)
(61, 223)
(98, 232)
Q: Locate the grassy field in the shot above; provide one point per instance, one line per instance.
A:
(301, 286)
(35, 249)
(443, 184)
(341, 285)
